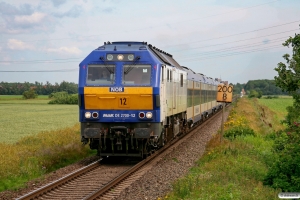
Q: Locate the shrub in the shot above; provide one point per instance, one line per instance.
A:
(63, 98)
(271, 97)
(238, 131)
(285, 171)
(255, 94)
(30, 94)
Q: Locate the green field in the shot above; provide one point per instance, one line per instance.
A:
(277, 105)
(12, 97)
(21, 118)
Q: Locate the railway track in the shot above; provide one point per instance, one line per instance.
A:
(80, 183)
(97, 181)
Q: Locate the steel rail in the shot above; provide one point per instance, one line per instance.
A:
(42, 190)
(113, 183)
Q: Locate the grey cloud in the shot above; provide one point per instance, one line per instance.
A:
(73, 12)
(22, 18)
(57, 3)
(8, 10)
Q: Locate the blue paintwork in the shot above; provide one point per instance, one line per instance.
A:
(121, 116)
(146, 57)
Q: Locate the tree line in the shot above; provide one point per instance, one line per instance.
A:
(39, 87)
(264, 87)
(261, 87)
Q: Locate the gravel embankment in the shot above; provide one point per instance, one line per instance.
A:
(157, 182)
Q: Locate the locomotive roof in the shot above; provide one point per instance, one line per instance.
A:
(163, 56)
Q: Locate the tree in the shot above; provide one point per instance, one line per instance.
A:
(285, 171)
(288, 78)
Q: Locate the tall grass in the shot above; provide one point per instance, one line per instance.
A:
(35, 155)
(233, 169)
(36, 138)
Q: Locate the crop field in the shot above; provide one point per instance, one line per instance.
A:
(277, 105)
(21, 118)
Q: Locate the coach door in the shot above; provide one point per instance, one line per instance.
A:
(174, 88)
(163, 92)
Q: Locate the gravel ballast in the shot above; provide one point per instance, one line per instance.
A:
(158, 181)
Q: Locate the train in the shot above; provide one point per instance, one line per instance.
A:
(134, 98)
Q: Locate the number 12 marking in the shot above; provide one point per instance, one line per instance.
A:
(123, 101)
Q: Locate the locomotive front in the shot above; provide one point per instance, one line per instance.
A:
(119, 101)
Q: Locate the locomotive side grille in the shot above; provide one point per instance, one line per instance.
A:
(132, 98)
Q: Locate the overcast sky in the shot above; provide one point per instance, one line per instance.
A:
(45, 40)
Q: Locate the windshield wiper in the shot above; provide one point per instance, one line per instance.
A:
(130, 67)
(111, 71)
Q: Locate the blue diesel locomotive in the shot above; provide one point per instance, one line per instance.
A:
(134, 97)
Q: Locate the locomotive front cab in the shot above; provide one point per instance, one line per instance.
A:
(119, 104)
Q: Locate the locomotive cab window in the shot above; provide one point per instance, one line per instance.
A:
(100, 75)
(136, 75)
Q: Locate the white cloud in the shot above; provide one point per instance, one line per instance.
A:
(67, 50)
(18, 45)
(34, 18)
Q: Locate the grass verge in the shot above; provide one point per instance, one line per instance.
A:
(235, 168)
(33, 156)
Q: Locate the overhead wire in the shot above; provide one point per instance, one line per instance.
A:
(59, 70)
(67, 60)
(151, 27)
(234, 41)
(233, 53)
(235, 47)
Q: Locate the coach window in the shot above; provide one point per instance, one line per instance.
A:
(189, 98)
(100, 74)
(171, 75)
(136, 75)
(168, 75)
(181, 80)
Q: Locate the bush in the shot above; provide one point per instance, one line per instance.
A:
(63, 98)
(285, 171)
(30, 94)
(255, 94)
(238, 131)
(271, 97)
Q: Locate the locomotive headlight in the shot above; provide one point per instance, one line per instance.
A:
(130, 57)
(87, 115)
(120, 57)
(109, 57)
(149, 115)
